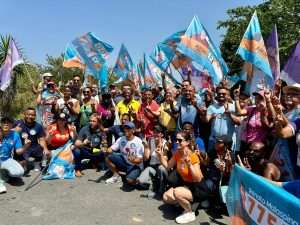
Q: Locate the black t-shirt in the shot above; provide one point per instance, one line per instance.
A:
(32, 131)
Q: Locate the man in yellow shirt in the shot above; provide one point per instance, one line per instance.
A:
(128, 104)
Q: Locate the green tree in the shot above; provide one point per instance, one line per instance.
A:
(7, 97)
(284, 13)
(55, 66)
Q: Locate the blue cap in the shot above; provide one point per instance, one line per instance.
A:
(129, 125)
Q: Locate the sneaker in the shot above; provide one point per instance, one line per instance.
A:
(112, 180)
(151, 194)
(186, 218)
(2, 189)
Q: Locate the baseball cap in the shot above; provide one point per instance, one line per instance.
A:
(261, 93)
(129, 125)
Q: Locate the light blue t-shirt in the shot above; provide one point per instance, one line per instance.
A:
(9, 143)
(188, 113)
(222, 125)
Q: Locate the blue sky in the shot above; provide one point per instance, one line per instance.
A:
(45, 26)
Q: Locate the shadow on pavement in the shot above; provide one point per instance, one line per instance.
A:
(15, 181)
(170, 212)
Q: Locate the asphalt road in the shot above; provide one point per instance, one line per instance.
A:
(84, 202)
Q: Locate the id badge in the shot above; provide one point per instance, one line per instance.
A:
(96, 150)
(298, 157)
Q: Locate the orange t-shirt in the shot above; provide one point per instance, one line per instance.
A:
(182, 167)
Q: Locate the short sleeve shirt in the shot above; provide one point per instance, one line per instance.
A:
(222, 125)
(182, 167)
(187, 113)
(148, 122)
(124, 108)
(129, 147)
(34, 132)
(8, 144)
(95, 137)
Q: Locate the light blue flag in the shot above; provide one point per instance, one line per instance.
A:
(101, 76)
(197, 45)
(149, 76)
(124, 64)
(252, 200)
(72, 58)
(252, 49)
(174, 39)
(61, 164)
(162, 56)
(92, 51)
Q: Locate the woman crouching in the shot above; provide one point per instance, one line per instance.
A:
(188, 167)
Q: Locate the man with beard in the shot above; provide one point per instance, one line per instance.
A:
(128, 104)
(29, 129)
(188, 109)
(88, 144)
(222, 116)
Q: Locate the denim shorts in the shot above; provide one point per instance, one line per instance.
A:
(132, 171)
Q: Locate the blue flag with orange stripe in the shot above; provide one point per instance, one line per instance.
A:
(92, 51)
(124, 64)
(198, 46)
(252, 49)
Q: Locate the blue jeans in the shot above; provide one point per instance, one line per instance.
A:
(83, 153)
(132, 171)
(11, 168)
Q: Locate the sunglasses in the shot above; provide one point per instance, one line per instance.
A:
(86, 92)
(76, 80)
(179, 140)
(221, 93)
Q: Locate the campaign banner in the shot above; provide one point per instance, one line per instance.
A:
(252, 200)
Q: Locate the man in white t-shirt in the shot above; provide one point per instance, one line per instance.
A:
(129, 159)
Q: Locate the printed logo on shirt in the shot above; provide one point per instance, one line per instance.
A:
(133, 146)
(123, 143)
(32, 132)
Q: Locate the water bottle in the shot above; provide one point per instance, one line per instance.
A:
(44, 161)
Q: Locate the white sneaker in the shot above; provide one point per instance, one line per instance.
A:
(186, 218)
(112, 180)
(2, 189)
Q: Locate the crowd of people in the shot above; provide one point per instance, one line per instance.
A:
(179, 144)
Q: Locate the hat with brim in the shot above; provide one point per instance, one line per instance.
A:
(295, 89)
(47, 75)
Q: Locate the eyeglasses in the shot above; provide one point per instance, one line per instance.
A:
(86, 92)
(179, 140)
(76, 80)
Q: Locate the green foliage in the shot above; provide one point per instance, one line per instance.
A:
(284, 13)
(55, 66)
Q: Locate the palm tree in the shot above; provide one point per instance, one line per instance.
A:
(7, 96)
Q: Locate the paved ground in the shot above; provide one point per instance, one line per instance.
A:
(85, 202)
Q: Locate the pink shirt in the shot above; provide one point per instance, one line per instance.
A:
(253, 129)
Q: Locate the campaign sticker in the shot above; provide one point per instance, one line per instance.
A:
(32, 132)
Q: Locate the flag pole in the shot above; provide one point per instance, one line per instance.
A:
(28, 74)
